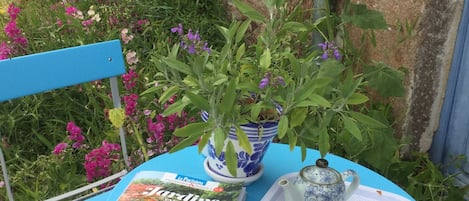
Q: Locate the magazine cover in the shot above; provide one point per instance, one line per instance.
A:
(166, 186)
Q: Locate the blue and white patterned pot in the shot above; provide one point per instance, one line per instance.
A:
(248, 164)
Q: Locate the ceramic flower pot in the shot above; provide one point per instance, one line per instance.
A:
(248, 164)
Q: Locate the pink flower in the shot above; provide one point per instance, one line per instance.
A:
(11, 29)
(130, 104)
(71, 10)
(131, 57)
(125, 37)
(13, 11)
(59, 23)
(75, 135)
(21, 40)
(5, 51)
(98, 163)
(129, 79)
(87, 23)
(60, 148)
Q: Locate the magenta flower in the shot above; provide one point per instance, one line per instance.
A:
(11, 29)
(60, 148)
(98, 163)
(71, 10)
(87, 23)
(130, 104)
(13, 11)
(21, 40)
(5, 51)
(129, 79)
(75, 135)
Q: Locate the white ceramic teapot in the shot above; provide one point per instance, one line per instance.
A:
(320, 183)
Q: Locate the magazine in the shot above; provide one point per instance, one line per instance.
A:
(167, 186)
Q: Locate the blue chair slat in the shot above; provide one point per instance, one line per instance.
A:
(36, 73)
(40, 72)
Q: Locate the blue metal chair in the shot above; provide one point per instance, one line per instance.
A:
(61, 68)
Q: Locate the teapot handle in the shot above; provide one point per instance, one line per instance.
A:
(355, 182)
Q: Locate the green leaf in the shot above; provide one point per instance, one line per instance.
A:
(357, 99)
(323, 143)
(282, 126)
(298, 116)
(178, 65)
(303, 151)
(365, 119)
(198, 101)
(220, 79)
(243, 140)
(198, 128)
(168, 93)
(117, 117)
(176, 107)
(231, 158)
(242, 30)
(331, 68)
(240, 52)
(360, 16)
(230, 96)
(352, 128)
(305, 91)
(256, 110)
(204, 140)
(386, 80)
(219, 138)
(265, 59)
(320, 100)
(294, 27)
(149, 90)
(184, 143)
(249, 11)
(292, 140)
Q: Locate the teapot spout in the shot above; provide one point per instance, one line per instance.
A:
(291, 191)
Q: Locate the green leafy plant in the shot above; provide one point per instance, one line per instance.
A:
(318, 91)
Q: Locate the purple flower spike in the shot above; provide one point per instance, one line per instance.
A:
(264, 82)
(177, 29)
(281, 81)
(330, 49)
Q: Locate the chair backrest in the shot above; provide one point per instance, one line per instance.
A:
(36, 73)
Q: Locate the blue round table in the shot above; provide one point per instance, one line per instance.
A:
(278, 161)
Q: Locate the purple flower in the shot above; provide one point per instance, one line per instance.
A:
(330, 49)
(191, 41)
(264, 82)
(178, 29)
(281, 81)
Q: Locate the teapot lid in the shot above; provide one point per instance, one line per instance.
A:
(320, 173)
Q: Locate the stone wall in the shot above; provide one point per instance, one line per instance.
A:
(425, 53)
(420, 39)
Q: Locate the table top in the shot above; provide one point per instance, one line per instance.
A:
(278, 161)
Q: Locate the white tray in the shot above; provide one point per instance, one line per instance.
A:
(363, 193)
